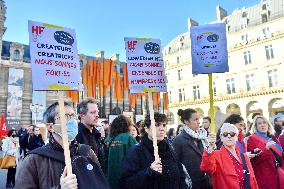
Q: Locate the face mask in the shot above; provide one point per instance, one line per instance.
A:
(72, 129)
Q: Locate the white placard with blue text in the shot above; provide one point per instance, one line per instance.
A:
(54, 57)
(145, 65)
(209, 49)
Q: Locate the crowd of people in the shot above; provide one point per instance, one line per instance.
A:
(120, 155)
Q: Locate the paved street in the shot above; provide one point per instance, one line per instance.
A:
(3, 174)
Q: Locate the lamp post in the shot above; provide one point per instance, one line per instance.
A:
(36, 108)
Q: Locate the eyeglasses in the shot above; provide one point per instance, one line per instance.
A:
(232, 134)
(68, 116)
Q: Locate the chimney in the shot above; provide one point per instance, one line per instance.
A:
(221, 13)
(191, 23)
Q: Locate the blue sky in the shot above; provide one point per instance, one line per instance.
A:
(103, 24)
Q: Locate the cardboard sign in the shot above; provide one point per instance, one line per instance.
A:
(145, 65)
(209, 49)
(54, 57)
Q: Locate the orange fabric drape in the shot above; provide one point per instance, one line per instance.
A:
(108, 64)
(74, 95)
(166, 101)
(90, 87)
(156, 99)
(119, 89)
(132, 100)
(84, 75)
(125, 77)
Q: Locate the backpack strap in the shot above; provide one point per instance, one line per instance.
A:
(246, 171)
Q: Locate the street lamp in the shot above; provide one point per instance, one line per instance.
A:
(36, 108)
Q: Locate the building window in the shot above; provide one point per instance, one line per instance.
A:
(170, 49)
(181, 45)
(194, 75)
(244, 38)
(269, 52)
(180, 74)
(170, 97)
(265, 32)
(183, 94)
(16, 55)
(250, 82)
(196, 92)
(214, 89)
(247, 57)
(264, 18)
(231, 86)
(178, 59)
(272, 78)
(179, 95)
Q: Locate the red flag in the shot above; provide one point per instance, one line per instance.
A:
(3, 128)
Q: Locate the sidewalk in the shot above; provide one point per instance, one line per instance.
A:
(3, 175)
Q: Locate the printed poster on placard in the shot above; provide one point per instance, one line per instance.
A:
(145, 65)
(15, 98)
(209, 49)
(54, 57)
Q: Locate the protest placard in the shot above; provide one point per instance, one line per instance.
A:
(209, 55)
(209, 49)
(146, 73)
(145, 65)
(55, 66)
(54, 57)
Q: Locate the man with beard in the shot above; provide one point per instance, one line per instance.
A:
(87, 133)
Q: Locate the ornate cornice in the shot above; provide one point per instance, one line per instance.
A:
(231, 97)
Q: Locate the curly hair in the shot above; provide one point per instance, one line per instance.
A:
(159, 118)
(119, 125)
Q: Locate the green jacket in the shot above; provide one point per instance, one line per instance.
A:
(117, 150)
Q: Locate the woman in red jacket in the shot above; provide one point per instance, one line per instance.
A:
(264, 165)
(229, 168)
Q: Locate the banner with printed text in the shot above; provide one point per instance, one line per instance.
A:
(145, 65)
(54, 57)
(15, 98)
(209, 49)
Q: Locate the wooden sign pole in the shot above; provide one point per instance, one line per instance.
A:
(212, 116)
(64, 133)
(153, 126)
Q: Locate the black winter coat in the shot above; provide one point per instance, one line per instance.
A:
(190, 155)
(136, 172)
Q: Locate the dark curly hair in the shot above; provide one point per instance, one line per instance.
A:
(186, 114)
(234, 119)
(159, 118)
(119, 125)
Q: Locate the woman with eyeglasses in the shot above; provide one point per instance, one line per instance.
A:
(270, 153)
(229, 168)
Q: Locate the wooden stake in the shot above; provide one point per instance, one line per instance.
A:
(64, 133)
(153, 126)
(212, 113)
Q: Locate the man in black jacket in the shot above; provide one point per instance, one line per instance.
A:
(87, 133)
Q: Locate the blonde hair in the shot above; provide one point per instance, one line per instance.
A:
(270, 131)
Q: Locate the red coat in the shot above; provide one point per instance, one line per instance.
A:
(263, 165)
(220, 166)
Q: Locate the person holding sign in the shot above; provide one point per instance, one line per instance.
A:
(189, 146)
(229, 168)
(45, 167)
(141, 171)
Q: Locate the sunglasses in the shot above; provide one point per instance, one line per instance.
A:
(232, 134)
